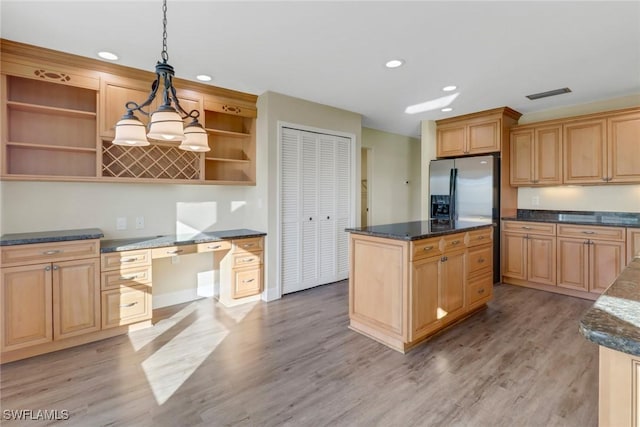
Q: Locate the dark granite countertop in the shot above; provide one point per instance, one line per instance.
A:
(614, 319)
(415, 230)
(50, 236)
(610, 219)
(117, 245)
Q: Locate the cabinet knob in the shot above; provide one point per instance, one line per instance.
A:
(310, 219)
(444, 258)
(55, 268)
(47, 268)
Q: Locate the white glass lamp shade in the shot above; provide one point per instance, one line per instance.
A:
(130, 131)
(166, 125)
(196, 138)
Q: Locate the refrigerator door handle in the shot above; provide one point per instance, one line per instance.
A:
(453, 178)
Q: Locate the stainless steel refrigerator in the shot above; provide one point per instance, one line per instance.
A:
(467, 189)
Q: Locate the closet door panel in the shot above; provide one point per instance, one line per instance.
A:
(327, 208)
(343, 205)
(290, 266)
(309, 220)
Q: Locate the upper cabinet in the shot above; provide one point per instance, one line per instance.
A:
(59, 112)
(594, 149)
(478, 133)
(536, 156)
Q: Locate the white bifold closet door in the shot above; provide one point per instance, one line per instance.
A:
(314, 208)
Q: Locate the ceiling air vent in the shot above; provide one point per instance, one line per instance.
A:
(549, 93)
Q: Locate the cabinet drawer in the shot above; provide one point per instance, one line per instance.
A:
(591, 232)
(48, 252)
(169, 251)
(527, 227)
(222, 245)
(123, 306)
(479, 237)
(480, 258)
(125, 277)
(479, 288)
(247, 258)
(126, 259)
(253, 244)
(452, 242)
(246, 282)
(425, 248)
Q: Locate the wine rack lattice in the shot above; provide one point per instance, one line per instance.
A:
(152, 161)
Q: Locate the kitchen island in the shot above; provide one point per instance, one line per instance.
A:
(614, 324)
(410, 280)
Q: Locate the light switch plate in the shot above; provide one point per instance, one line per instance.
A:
(535, 201)
(121, 223)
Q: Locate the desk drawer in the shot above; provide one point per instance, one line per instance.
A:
(425, 248)
(246, 259)
(479, 237)
(246, 282)
(169, 251)
(48, 252)
(527, 227)
(124, 306)
(126, 259)
(591, 232)
(222, 245)
(125, 277)
(253, 244)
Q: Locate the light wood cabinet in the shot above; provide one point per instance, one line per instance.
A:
(47, 295)
(623, 149)
(590, 263)
(619, 389)
(478, 133)
(425, 292)
(452, 281)
(241, 271)
(633, 243)
(126, 285)
(536, 156)
(529, 252)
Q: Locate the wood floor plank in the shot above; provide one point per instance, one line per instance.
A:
(294, 362)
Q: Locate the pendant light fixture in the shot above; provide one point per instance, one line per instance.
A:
(167, 121)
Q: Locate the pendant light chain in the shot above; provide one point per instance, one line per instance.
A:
(164, 54)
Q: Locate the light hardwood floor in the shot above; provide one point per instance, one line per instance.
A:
(294, 362)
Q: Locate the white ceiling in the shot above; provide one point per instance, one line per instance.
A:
(333, 52)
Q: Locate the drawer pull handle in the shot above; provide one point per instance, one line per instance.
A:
(248, 245)
(131, 304)
(524, 227)
(248, 259)
(455, 242)
(248, 280)
(53, 252)
(480, 237)
(428, 248)
(135, 276)
(480, 260)
(481, 291)
(134, 259)
(176, 251)
(589, 232)
(214, 247)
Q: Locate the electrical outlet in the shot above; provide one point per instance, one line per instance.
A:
(121, 223)
(535, 201)
(175, 259)
(139, 222)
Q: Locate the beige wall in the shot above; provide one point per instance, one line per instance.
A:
(275, 108)
(395, 183)
(428, 142)
(618, 198)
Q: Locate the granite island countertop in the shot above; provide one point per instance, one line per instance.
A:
(129, 244)
(415, 230)
(614, 319)
(50, 236)
(608, 219)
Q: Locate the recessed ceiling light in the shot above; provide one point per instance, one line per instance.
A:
(446, 110)
(203, 78)
(394, 63)
(108, 55)
(449, 88)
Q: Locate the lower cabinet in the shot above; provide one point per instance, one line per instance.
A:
(619, 389)
(241, 271)
(529, 252)
(52, 298)
(126, 305)
(633, 243)
(425, 297)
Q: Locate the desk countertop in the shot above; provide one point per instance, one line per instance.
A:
(50, 236)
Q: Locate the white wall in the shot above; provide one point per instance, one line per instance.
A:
(272, 109)
(395, 183)
(612, 198)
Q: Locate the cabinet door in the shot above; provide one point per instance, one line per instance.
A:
(514, 256)
(25, 299)
(548, 155)
(606, 262)
(633, 243)
(76, 298)
(483, 137)
(115, 92)
(522, 155)
(451, 141)
(585, 152)
(453, 275)
(541, 259)
(624, 148)
(425, 313)
(573, 264)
